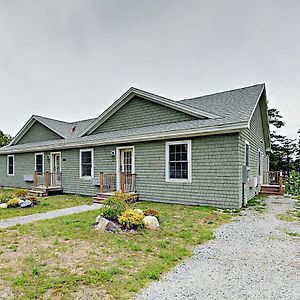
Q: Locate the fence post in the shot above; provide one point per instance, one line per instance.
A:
(47, 179)
(35, 179)
(101, 182)
(280, 183)
(122, 182)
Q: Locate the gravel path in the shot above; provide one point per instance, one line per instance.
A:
(251, 258)
(47, 215)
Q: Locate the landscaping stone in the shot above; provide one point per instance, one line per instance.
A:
(21, 201)
(3, 205)
(105, 225)
(151, 223)
(26, 203)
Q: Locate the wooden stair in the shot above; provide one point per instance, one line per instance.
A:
(271, 190)
(102, 196)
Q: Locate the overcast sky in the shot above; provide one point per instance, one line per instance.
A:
(70, 60)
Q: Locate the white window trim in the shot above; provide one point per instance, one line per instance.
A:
(7, 163)
(80, 166)
(245, 152)
(260, 163)
(189, 160)
(43, 166)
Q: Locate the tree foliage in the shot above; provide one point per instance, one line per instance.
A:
(4, 139)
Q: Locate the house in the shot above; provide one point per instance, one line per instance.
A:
(209, 150)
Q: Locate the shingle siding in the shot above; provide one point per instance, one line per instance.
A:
(255, 136)
(38, 133)
(138, 112)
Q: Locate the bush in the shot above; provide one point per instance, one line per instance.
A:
(22, 193)
(131, 219)
(13, 202)
(292, 184)
(116, 203)
(6, 196)
(109, 213)
(126, 197)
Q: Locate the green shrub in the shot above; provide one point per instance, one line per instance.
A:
(115, 203)
(292, 184)
(126, 197)
(13, 202)
(6, 196)
(109, 213)
(21, 193)
(131, 219)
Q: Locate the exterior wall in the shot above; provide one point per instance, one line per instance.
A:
(215, 171)
(24, 165)
(38, 133)
(255, 137)
(140, 113)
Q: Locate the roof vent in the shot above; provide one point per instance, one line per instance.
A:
(73, 128)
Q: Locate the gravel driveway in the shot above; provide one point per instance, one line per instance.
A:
(251, 258)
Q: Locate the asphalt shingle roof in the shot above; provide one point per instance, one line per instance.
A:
(231, 107)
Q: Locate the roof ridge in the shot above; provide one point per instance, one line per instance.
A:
(52, 119)
(89, 119)
(227, 91)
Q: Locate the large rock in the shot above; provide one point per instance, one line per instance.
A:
(21, 201)
(105, 225)
(151, 223)
(3, 205)
(26, 203)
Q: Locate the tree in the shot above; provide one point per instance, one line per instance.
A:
(4, 139)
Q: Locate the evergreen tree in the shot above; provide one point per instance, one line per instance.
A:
(4, 139)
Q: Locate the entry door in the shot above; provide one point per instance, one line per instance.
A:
(126, 161)
(125, 165)
(55, 169)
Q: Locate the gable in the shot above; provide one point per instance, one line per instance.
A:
(139, 112)
(38, 133)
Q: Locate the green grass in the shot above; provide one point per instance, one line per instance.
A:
(62, 257)
(258, 203)
(293, 215)
(46, 204)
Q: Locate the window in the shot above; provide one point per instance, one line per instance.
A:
(247, 149)
(178, 161)
(10, 165)
(86, 163)
(259, 163)
(39, 162)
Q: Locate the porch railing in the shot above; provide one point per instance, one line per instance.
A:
(47, 179)
(108, 182)
(275, 178)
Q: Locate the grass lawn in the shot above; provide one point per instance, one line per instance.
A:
(65, 258)
(293, 215)
(46, 204)
(258, 203)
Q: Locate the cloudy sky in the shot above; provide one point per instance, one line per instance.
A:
(70, 59)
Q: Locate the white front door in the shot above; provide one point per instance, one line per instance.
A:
(55, 162)
(125, 164)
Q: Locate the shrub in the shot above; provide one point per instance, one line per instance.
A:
(151, 212)
(292, 184)
(116, 203)
(22, 193)
(34, 200)
(131, 219)
(126, 197)
(109, 213)
(6, 196)
(13, 202)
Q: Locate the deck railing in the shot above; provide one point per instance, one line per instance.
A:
(108, 182)
(275, 178)
(47, 179)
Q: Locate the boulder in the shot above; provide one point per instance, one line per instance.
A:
(20, 201)
(26, 203)
(105, 225)
(139, 211)
(151, 223)
(3, 205)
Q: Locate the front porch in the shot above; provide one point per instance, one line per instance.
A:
(273, 184)
(110, 183)
(46, 183)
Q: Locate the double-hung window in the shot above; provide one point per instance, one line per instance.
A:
(259, 162)
(39, 162)
(86, 163)
(247, 153)
(178, 161)
(10, 165)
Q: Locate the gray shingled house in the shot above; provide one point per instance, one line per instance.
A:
(209, 150)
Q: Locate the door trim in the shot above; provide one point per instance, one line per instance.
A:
(118, 160)
(51, 161)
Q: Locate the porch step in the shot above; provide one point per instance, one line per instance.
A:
(270, 190)
(102, 196)
(37, 193)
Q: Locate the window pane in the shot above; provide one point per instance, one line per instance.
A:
(39, 163)
(86, 163)
(178, 161)
(10, 165)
